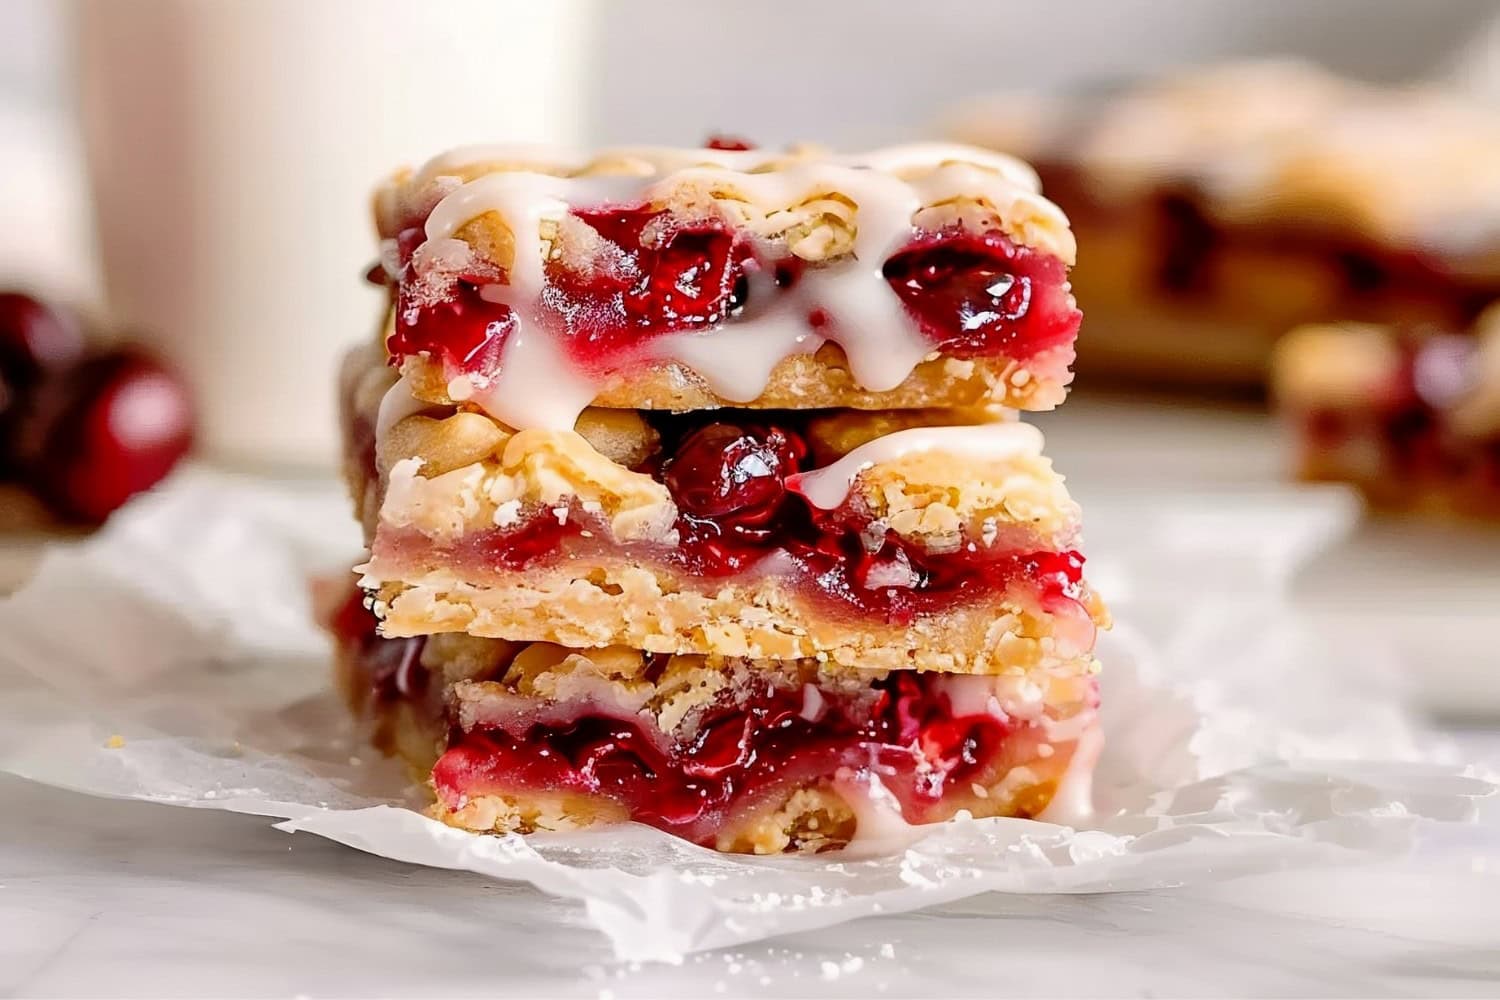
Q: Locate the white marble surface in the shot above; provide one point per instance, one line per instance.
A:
(125, 899)
(128, 899)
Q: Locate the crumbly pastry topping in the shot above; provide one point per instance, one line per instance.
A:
(535, 469)
(669, 690)
(834, 434)
(807, 197)
(924, 497)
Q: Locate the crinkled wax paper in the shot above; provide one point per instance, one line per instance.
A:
(1234, 742)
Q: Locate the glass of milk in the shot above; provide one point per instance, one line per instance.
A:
(233, 149)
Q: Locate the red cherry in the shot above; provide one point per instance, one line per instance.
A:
(105, 431)
(982, 293)
(721, 747)
(396, 671)
(609, 759)
(733, 475)
(690, 282)
(34, 339)
(729, 143)
(466, 331)
(683, 273)
(909, 707)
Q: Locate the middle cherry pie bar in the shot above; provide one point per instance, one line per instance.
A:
(695, 495)
(731, 532)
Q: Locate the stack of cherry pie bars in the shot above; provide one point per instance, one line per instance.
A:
(695, 495)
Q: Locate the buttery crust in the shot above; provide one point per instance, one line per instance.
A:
(616, 603)
(822, 380)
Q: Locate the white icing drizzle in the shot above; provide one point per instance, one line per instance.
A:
(879, 825)
(1004, 696)
(1478, 413)
(538, 385)
(829, 486)
(864, 316)
(396, 405)
(1072, 802)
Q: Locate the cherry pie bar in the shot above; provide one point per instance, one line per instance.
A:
(1412, 417)
(531, 284)
(695, 494)
(766, 534)
(739, 755)
(1228, 205)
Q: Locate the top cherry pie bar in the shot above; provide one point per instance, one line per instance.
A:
(531, 285)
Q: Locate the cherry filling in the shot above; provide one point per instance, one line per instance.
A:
(649, 272)
(743, 755)
(663, 274)
(457, 326)
(730, 143)
(982, 294)
(392, 668)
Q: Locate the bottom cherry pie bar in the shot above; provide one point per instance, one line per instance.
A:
(1412, 418)
(739, 755)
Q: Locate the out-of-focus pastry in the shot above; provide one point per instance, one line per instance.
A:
(1224, 206)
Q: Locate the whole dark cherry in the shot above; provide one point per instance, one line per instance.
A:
(101, 432)
(729, 143)
(734, 476)
(980, 292)
(34, 339)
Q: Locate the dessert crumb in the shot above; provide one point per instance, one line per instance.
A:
(115, 742)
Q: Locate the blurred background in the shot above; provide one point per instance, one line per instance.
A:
(191, 178)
